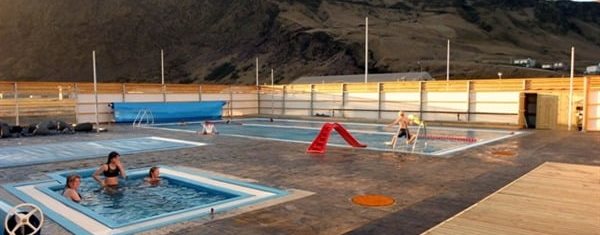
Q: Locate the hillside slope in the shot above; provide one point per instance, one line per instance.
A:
(217, 41)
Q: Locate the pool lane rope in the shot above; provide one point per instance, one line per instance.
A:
(373, 200)
(449, 138)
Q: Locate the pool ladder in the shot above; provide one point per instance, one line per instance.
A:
(143, 115)
(421, 126)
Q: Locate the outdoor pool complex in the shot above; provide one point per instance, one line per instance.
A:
(432, 140)
(135, 205)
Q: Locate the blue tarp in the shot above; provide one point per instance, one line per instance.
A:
(169, 111)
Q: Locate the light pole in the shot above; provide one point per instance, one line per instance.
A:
(499, 75)
(448, 61)
(366, 49)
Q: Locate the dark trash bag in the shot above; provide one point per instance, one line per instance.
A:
(46, 127)
(4, 130)
(31, 128)
(64, 127)
(16, 129)
(12, 223)
(86, 126)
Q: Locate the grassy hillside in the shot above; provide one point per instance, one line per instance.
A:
(217, 41)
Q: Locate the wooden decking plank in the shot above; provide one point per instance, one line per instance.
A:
(554, 198)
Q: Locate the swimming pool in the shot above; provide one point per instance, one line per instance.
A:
(136, 206)
(44, 153)
(434, 141)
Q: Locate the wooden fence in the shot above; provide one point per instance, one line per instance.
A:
(489, 101)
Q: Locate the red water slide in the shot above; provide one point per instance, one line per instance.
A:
(319, 144)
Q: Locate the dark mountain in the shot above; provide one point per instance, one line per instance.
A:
(217, 41)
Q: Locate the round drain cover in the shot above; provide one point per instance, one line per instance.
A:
(373, 200)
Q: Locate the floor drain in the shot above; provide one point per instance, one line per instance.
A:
(373, 200)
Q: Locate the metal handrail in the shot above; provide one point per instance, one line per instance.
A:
(143, 114)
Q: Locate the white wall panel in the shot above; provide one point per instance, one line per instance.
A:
(297, 97)
(297, 105)
(182, 97)
(245, 96)
(362, 96)
(102, 98)
(143, 97)
(215, 97)
(401, 96)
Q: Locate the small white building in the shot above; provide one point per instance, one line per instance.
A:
(555, 66)
(594, 69)
(528, 63)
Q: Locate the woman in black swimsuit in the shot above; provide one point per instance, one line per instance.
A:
(111, 170)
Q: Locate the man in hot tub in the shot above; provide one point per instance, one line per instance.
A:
(111, 171)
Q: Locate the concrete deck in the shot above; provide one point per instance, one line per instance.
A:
(428, 190)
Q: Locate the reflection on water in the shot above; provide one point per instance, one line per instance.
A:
(136, 199)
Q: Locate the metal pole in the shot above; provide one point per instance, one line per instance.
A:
(283, 100)
(586, 95)
(162, 75)
(366, 49)
(16, 105)
(200, 93)
(421, 88)
(344, 91)
(469, 100)
(379, 99)
(230, 102)
(272, 93)
(312, 98)
(162, 67)
(256, 71)
(95, 91)
(570, 117)
(123, 92)
(448, 62)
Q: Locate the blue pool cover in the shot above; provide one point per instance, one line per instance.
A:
(44, 153)
(169, 111)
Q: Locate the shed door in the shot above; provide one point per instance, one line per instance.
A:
(547, 111)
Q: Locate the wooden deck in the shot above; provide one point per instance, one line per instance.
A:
(554, 198)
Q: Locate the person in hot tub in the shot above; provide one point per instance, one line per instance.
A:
(153, 175)
(71, 188)
(111, 171)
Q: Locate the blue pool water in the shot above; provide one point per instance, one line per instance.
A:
(2, 218)
(374, 135)
(135, 199)
(44, 153)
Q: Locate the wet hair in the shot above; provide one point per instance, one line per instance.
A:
(152, 170)
(112, 155)
(70, 179)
